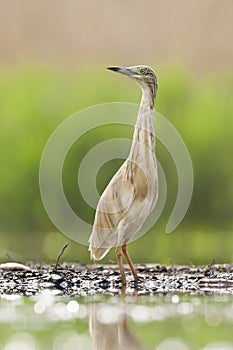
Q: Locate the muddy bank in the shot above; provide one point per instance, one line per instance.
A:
(81, 280)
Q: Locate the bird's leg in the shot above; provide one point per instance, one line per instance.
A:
(124, 250)
(120, 263)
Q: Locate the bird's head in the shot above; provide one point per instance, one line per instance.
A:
(143, 75)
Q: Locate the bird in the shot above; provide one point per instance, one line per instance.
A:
(132, 193)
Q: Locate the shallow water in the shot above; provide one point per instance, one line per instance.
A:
(161, 322)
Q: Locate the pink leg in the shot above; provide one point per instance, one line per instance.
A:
(120, 263)
(124, 250)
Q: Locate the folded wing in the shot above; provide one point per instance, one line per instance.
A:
(124, 195)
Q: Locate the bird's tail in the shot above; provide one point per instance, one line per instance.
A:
(98, 253)
(100, 242)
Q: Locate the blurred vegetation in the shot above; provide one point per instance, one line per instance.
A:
(34, 100)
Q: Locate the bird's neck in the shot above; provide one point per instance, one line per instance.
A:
(148, 96)
(144, 127)
(145, 119)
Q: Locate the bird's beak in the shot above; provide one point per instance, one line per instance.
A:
(123, 70)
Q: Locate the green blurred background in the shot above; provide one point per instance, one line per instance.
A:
(53, 59)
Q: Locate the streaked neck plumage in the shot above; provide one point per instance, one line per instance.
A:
(144, 127)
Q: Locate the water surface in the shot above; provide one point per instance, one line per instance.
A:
(162, 322)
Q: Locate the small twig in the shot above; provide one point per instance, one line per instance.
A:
(172, 264)
(60, 254)
(8, 256)
(211, 265)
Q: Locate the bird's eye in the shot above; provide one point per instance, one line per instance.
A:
(142, 71)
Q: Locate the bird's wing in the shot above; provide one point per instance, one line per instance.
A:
(126, 189)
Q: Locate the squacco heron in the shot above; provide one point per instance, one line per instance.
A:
(132, 193)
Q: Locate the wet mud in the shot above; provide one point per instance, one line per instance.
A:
(80, 280)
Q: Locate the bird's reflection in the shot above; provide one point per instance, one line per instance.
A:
(108, 325)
